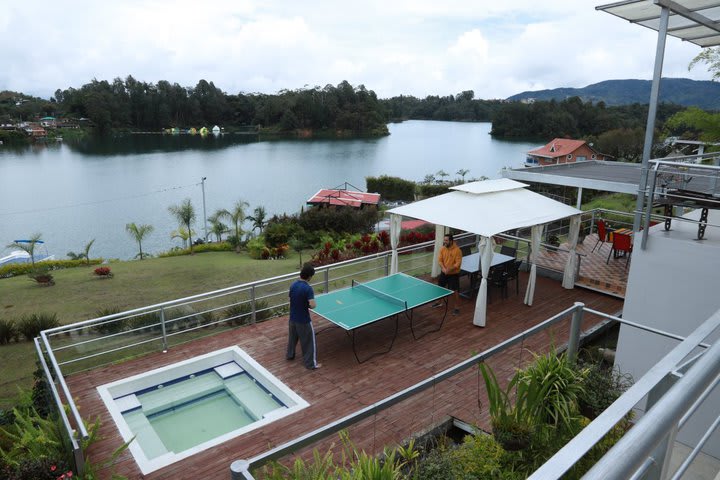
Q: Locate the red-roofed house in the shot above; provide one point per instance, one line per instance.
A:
(563, 150)
(344, 198)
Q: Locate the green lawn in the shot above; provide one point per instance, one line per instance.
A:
(78, 295)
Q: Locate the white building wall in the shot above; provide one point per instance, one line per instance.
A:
(673, 285)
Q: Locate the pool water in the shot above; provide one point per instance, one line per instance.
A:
(193, 410)
(181, 409)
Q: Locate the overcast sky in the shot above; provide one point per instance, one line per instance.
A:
(419, 47)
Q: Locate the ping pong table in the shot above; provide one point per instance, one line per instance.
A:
(363, 304)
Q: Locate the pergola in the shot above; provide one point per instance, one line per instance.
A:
(488, 208)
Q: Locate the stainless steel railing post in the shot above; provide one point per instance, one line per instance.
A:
(253, 306)
(162, 327)
(575, 324)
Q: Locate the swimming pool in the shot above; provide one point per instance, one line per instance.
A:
(179, 410)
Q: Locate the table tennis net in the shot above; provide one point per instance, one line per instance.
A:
(379, 294)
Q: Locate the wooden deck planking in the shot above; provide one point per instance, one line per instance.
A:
(343, 386)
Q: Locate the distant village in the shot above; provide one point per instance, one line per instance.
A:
(41, 128)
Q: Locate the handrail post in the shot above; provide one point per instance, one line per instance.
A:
(240, 470)
(162, 327)
(253, 306)
(327, 279)
(574, 340)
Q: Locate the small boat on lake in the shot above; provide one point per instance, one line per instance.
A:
(21, 256)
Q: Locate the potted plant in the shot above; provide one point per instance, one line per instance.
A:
(602, 385)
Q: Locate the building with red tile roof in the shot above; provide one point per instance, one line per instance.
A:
(563, 150)
(344, 198)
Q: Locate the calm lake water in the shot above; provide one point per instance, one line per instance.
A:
(74, 193)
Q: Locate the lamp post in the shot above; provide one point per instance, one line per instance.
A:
(202, 182)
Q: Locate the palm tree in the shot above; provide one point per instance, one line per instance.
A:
(442, 174)
(258, 218)
(139, 232)
(182, 234)
(238, 217)
(85, 254)
(216, 226)
(28, 246)
(185, 215)
(462, 172)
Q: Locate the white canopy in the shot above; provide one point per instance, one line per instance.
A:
(488, 208)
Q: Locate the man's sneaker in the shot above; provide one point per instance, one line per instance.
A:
(456, 311)
(436, 305)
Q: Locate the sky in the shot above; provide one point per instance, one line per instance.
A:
(393, 47)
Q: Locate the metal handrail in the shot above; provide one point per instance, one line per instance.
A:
(240, 469)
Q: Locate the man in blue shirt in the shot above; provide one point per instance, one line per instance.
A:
(302, 298)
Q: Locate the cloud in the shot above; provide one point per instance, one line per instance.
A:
(416, 47)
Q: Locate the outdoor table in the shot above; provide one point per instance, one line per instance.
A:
(471, 266)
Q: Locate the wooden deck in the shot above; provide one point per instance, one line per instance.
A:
(343, 386)
(596, 272)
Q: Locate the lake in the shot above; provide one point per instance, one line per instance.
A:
(74, 193)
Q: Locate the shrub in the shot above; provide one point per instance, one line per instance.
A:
(145, 323)
(562, 383)
(241, 313)
(31, 325)
(479, 456)
(436, 465)
(42, 276)
(601, 387)
(16, 269)
(103, 272)
(255, 247)
(42, 468)
(391, 188)
(109, 326)
(8, 331)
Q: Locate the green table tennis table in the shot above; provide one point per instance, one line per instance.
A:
(363, 304)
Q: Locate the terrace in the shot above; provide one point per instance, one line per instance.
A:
(89, 354)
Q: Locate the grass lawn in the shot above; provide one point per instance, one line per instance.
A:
(78, 295)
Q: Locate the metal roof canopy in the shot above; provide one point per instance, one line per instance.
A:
(618, 177)
(696, 21)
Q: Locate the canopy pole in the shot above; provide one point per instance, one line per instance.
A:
(652, 112)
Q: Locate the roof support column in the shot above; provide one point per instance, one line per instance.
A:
(652, 112)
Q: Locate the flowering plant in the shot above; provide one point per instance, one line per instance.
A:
(103, 272)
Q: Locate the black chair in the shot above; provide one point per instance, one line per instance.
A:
(513, 273)
(497, 278)
(509, 251)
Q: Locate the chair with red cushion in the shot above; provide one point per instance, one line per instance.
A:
(621, 243)
(602, 235)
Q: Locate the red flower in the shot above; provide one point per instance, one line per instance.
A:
(53, 468)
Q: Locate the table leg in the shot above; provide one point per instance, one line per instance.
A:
(410, 317)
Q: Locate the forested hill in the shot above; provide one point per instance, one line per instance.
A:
(681, 91)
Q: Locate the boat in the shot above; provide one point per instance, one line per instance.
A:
(21, 256)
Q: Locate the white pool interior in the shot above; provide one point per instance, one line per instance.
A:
(179, 410)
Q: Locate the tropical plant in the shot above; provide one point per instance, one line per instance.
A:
(710, 57)
(217, 228)
(258, 219)
(28, 246)
(185, 215)
(297, 244)
(31, 325)
(562, 383)
(462, 172)
(601, 387)
(8, 331)
(42, 276)
(84, 254)
(183, 234)
(103, 272)
(238, 217)
(513, 410)
(139, 232)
